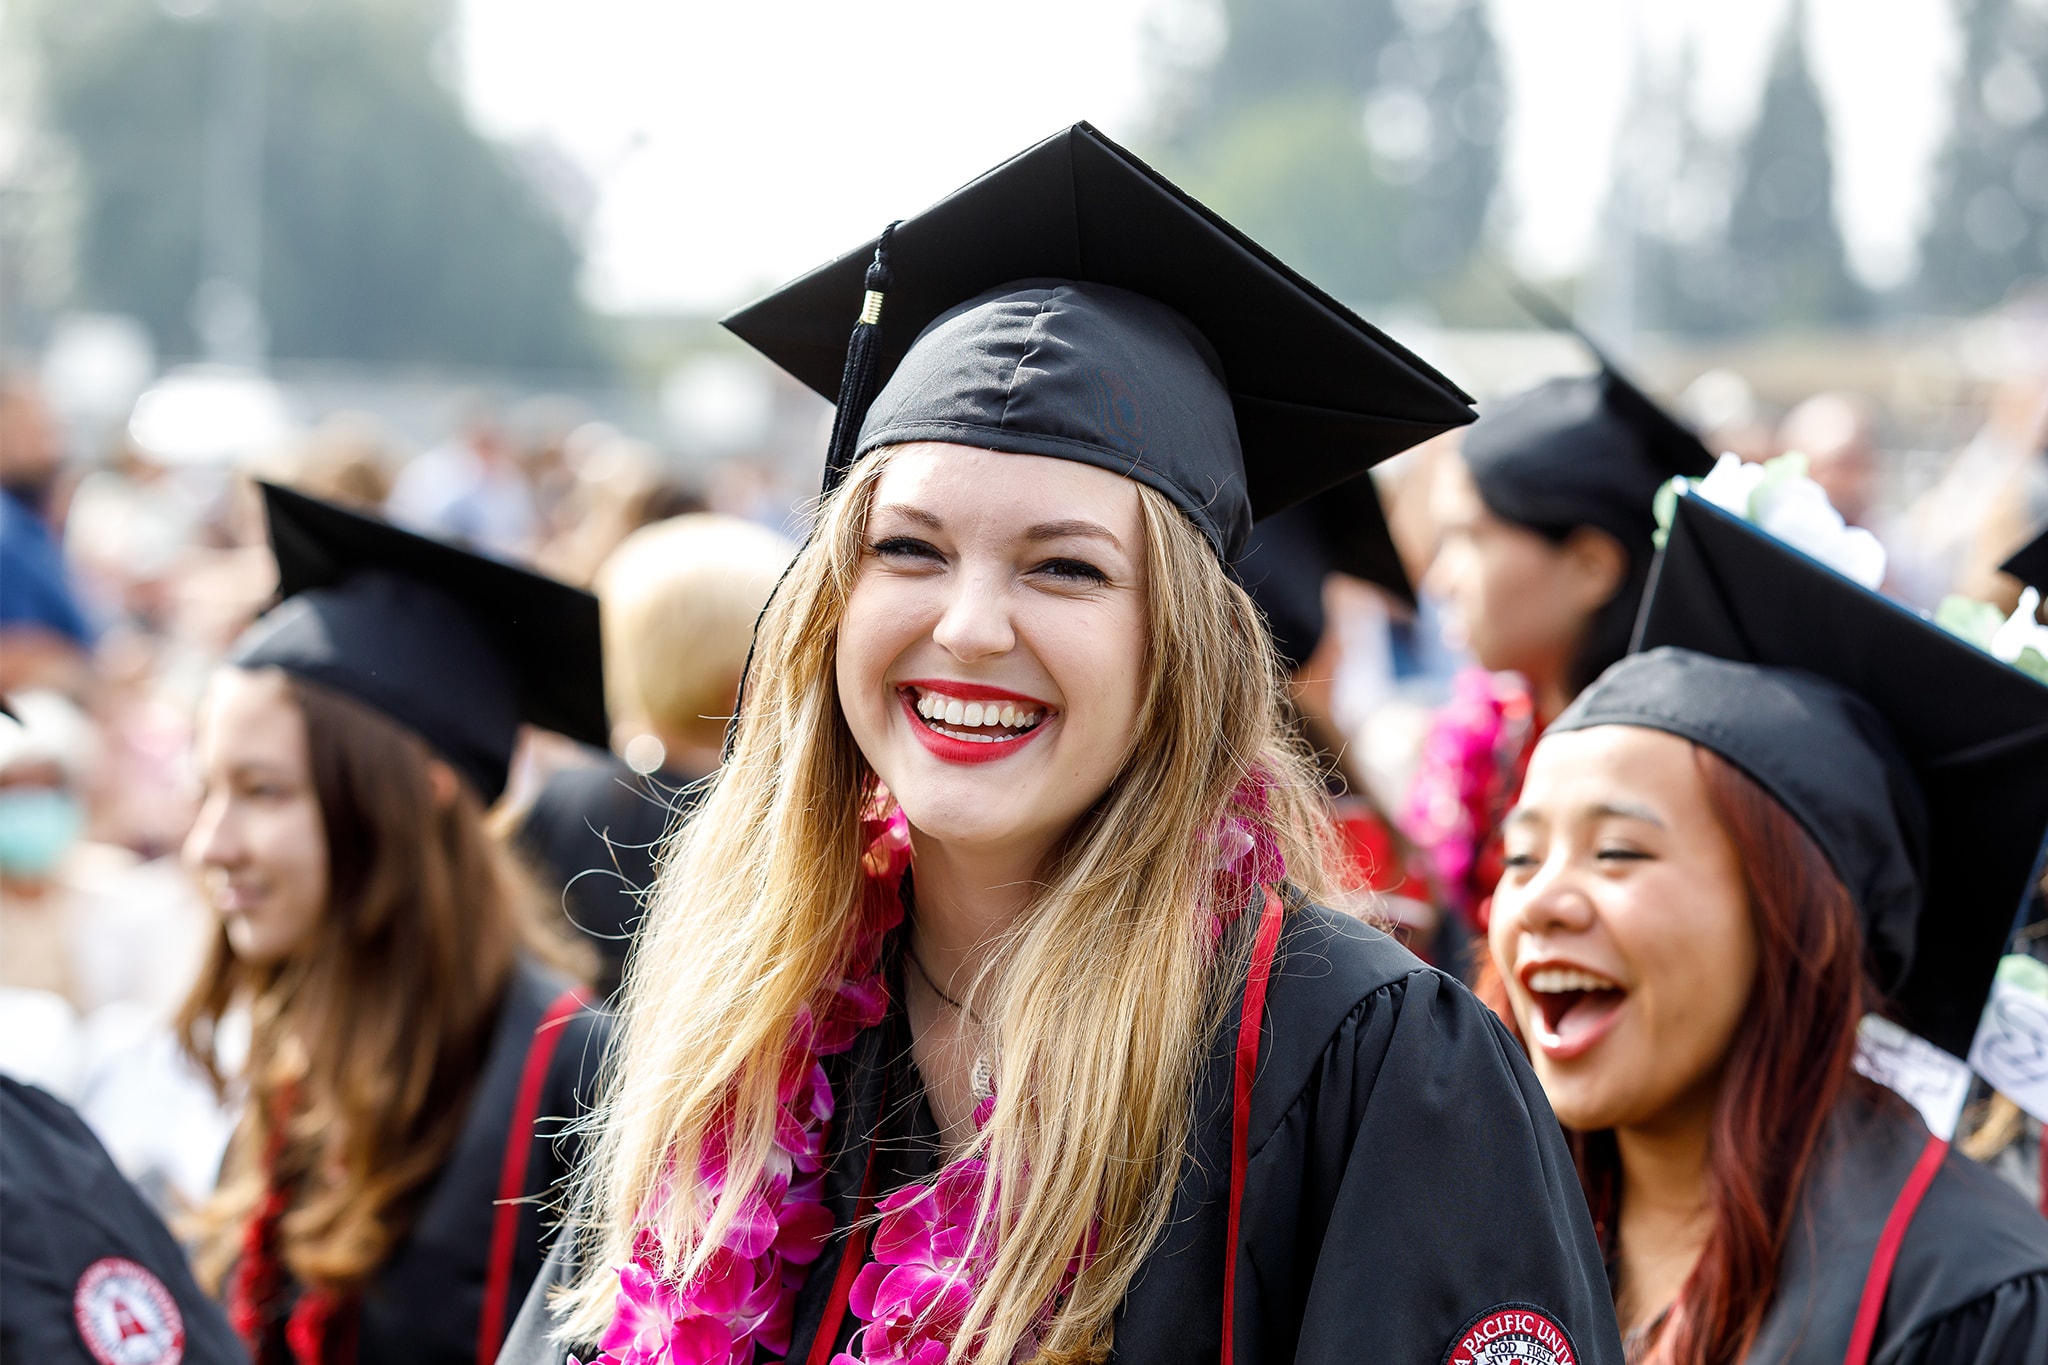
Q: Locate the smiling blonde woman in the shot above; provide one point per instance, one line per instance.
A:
(984, 1011)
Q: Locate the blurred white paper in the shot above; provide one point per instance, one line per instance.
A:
(1932, 1081)
(2011, 1047)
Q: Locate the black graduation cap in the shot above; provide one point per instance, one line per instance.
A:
(456, 647)
(1072, 302)
(1580, 451)
(1918, 762)
(2029, 563)
(1287, 557)
(88, 1271)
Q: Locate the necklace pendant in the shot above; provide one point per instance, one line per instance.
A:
(984, 1079)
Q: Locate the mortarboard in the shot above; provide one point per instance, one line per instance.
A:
(458, 648)
(1072, 302)
(1582, 451)
(2029, 563)
(1286, 559)
(1918, 762)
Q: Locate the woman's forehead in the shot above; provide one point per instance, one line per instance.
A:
(957, 486)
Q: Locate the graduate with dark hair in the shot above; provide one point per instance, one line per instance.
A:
(416, 1040)
(1545, 523)
(1801, 806)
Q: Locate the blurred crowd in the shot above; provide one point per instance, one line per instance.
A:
(123, 575)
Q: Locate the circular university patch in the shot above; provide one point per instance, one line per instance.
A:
(126, 1316)
(1512, 1334)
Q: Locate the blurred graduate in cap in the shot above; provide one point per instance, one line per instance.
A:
(1287, 565)
(416, 1040)
(1545, 532)
(1798, 805)
(985, 1009)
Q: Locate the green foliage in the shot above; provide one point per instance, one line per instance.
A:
(1357, 139)
(1988, 233)
(392, 231)
(1786, 263)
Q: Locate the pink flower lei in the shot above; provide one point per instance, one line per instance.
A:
(912, 1297)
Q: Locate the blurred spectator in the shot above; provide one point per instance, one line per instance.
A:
(347, 459)
(470, 489)
(86, 921)
(1837, 432)
(44, 636)
(679, 602)
(1722, 408)
(618, 487)
(1990, 498)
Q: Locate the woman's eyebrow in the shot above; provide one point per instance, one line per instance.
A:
(1625, 810)
(928, 520)
(1060, 530)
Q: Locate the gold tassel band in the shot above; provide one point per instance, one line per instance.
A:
(871, 308)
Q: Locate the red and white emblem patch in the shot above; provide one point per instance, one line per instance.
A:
(1512, 1334)
(126, 1316)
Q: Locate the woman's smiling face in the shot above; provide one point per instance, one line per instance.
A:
(991, 660)
(1621, 927)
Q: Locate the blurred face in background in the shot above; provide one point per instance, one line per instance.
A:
(992, 657)
(1621, 929)
(258, 848)
(1514, 597)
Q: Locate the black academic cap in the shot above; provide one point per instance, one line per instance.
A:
(90, 1271)
(2029, 563)
(1286, 559)
(458, 648)
(1581, 451)
(1077, 304)
(1918, 762)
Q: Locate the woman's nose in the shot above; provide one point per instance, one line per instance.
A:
(211, 842)
(976, 621)
(1552, 901)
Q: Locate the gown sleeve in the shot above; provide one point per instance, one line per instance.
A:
(2007, 1326)
(1433, 1210)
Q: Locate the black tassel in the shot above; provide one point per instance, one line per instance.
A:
(863, 362)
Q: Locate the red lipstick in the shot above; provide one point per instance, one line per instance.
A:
(946, 747)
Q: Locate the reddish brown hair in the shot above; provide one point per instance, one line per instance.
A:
(1786, 1069)
(366, 1043)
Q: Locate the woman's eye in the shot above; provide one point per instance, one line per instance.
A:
(1518, 860)
(1074, 570)
(1619, 854)
(904, 547)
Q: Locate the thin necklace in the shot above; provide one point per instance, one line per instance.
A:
(938, 990)
(982, 1077)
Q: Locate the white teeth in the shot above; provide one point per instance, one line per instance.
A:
(1558, 980)
(950, 711)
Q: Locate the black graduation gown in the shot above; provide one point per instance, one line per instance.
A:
(593, 831)
(1970, 1286)
(425, 1305)
(1405, 1180)
(87, 1270)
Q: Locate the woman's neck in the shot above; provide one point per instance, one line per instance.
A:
(1666, 1212)
(967, 901)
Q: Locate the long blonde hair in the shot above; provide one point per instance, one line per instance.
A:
(1102, 1000)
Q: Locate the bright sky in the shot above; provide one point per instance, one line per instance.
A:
(735, 145)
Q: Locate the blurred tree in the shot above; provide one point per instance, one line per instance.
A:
(391, 230)
(1989, 228)
(1784, 260)
(1357, 139)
